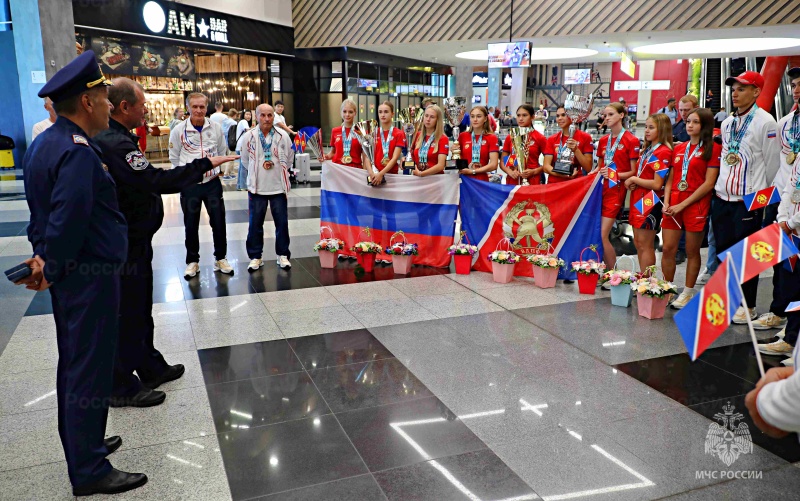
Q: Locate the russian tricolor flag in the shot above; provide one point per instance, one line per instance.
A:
(710, 311)
(563, 218)
(424, 208)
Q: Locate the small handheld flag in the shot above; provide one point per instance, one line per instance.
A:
(793, 307)
(761, 251)
(511, 161)
(710, 311)
(646, 204)
(762, 198)
(613, 175)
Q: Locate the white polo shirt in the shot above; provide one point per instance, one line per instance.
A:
(758, 157)
(40, 127)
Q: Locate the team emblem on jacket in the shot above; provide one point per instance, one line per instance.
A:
(136, 160)
(78, 139)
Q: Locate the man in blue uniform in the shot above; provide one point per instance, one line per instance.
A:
(79, 239)
(139, 189)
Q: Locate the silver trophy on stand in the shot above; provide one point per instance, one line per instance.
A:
(452, 108)
(411, 118)
(315, 144)
(577, 108)
(366, 133)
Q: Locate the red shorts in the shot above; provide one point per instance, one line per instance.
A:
(613, 200)
(692, 218)
(648, 222)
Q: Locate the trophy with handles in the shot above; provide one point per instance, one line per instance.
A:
(577, 109)
(452, 108)
(411, 118)
(520, 141)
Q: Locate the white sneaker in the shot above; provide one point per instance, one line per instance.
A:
(780, 347)
(284, 263)
(740, 318)
(255, 264)
(789, 362)
(704, 277)
(769, 321)
(683, 299)
(192, 269)
(223, 266)
(781, 333)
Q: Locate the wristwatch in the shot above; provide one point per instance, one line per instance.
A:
(473, 172)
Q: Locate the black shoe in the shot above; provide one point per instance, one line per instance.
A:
(113, 483)
(145, 398)
(172, 373)
(568, 281)
(113, 443)
(680, 257)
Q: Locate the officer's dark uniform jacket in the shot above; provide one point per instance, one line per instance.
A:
(75, 217)
(139, 184)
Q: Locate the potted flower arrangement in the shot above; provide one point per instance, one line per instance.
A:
(620, 281)
(588, 271)
(547, 273)
(503, 262)
(366, 251)
(402, 254)
(328, 248)
(652, 293)
(462, 254)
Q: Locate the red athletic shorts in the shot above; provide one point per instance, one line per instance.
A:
(692, 218)
(613, 200)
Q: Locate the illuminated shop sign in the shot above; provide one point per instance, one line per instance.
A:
(184, 24)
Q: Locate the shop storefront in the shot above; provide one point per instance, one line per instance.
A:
(174, 49)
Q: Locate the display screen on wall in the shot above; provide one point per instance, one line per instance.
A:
(118, 57)
(367, 83)
(510, 55)
(581, 76)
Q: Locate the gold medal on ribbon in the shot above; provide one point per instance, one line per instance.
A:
(267, 165)
(732, 158)
(791, 157)
(796, 196)
(385, 161)
(683, 185)
(347, 159)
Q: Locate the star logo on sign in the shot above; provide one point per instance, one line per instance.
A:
(203, 28)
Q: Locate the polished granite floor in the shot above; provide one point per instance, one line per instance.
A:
(336, 384)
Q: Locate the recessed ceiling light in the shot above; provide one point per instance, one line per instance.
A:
(719, 46)
(537, 53)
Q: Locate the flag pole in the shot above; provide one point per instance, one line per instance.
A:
(747, 316)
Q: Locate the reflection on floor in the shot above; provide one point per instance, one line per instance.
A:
(338, 384)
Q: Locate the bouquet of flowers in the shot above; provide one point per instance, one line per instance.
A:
(504, 257)
(402, 249)
(329, 244)
(367, 247)
(588, 267)
(546, 261)
(462, 249)
(618, 277)
(653, 286)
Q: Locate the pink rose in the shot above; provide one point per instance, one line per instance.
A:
(615, 280)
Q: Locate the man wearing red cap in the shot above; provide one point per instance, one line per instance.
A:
(750, 150)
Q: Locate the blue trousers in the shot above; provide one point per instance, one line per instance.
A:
(85, 307)
(258, 213)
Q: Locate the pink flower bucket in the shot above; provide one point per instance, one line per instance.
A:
(651, 307)
(401, 264)
(327, 259)
(502, 273)
(545, 278)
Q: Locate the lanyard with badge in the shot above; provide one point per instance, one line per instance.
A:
(267, 147)
(609, 153)
(423, 152)
(346, 141)
(385, 145)
(476, 148)
(736, 136)
(683, 185)
(645, 158)
(794, 139)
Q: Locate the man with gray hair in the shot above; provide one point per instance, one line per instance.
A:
(265, 156)
(42, 126)
(139, 188)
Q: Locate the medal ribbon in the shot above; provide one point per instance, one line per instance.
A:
(794, 134)
(646, 157)
(609, 153)
(687, 155)
(346, 140)
(385, 142)
(736, 136)
(562, 145)
(266, 146)
(476, 148)
(423, 150)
